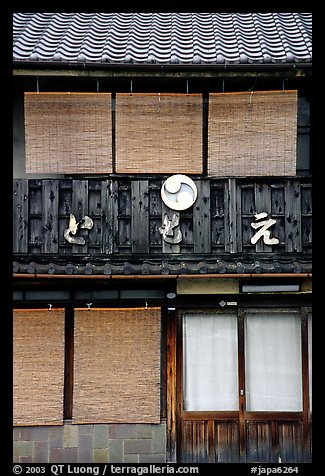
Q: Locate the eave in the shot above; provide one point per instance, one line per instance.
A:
(183, 71)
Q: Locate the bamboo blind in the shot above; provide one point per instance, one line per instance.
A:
(68, 133)
(38, 367)
(252, 133)
(158, 133)
(117, 366)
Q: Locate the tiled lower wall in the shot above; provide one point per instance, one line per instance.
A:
(109, 443)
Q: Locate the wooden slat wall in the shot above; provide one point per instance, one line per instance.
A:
(117, 366)
(127, 215)
(159, 133)
(38, 367)
(140, 216)
(50, 192)
(202, 218)
(293, 216)
(252, 133)
(68, 133)
(20, 216)
(213, 441)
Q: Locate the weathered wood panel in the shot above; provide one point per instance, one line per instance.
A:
(50, 205)
(306, 216)
(209, 441)
(231, 205)
(80, 209)
(259, 442)
(128, 215)
(195, 442)
(272, 441)
(217, 207)
(109, 214)
(262, 204)
(290, 436)
(293, 216)
(20, 216)
(226, 441)
(202, 218)
(140, 216)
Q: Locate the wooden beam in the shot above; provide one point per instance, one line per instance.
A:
(223, 71)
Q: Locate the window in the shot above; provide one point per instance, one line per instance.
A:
(254, 355)
(210, 362)
(273, 362)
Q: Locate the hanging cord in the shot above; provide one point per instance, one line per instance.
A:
(250, 98)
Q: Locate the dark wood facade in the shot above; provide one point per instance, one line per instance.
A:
(127, 215)
(126, 241)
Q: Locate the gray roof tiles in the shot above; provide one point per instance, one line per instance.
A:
(162, 38)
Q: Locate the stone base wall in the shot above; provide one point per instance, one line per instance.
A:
(104, 443)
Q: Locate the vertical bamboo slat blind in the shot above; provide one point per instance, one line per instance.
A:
(117, 366)
(38, 367)
(252, 133)
(68, 133)
(158, 133)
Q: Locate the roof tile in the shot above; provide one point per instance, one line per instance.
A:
(162, 38)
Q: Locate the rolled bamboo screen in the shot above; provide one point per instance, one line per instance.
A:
(117, 366)
(158, 133)
(68, 133)
(252, 133)
(38, 367)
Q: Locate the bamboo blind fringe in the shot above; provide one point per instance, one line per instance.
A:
(38, 367)
(158, 133)
(252, 133)
(117, 366)
(68, 133)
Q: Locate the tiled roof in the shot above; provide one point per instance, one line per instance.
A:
(156, 267)
(162, 38)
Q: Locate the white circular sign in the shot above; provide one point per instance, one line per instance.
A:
(179, 192)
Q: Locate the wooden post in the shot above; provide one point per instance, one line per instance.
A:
(171, 388)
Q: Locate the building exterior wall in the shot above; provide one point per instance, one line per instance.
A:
(100, 443)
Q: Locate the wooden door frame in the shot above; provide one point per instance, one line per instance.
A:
(174, 383)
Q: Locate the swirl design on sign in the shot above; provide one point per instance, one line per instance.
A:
(179, 192)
